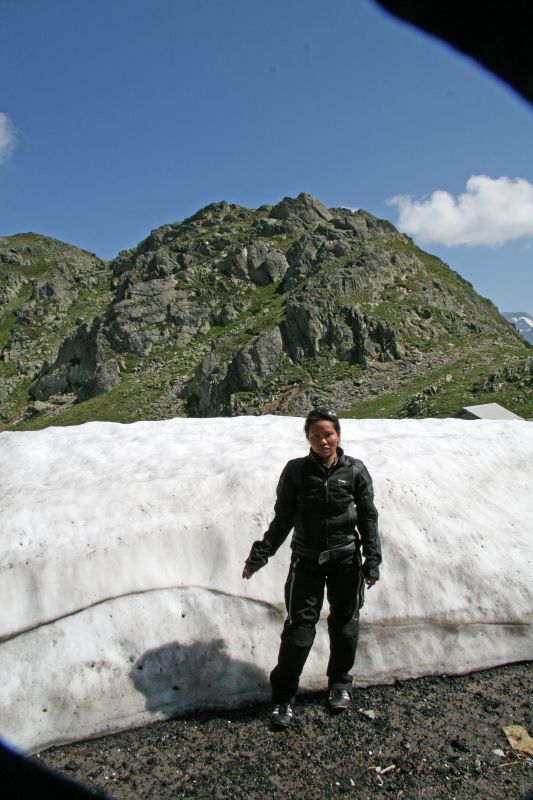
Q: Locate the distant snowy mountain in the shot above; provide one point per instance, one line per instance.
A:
(522, 321)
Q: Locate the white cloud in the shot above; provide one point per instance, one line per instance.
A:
(491, 211)
(7, 137)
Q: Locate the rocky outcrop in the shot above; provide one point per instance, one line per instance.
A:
(214, 386)
(256, 262)
(81, 366)
(302, 212)
(47, 289)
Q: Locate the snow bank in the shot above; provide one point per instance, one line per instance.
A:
(122, 546)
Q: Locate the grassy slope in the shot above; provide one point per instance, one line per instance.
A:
(465, 373)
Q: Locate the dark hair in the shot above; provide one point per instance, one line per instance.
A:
(322, 413)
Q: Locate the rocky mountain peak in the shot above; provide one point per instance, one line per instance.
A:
(236, 310)
(302, 211)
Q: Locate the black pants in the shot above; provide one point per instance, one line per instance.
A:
(304, 595)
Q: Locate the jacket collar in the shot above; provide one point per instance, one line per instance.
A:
(316, 460)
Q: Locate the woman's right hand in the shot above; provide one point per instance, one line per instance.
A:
(247, 572)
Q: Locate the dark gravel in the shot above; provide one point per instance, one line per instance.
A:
(436, 734)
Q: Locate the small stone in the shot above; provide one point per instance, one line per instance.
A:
(499, 752)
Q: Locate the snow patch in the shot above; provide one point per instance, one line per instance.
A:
(122, 547)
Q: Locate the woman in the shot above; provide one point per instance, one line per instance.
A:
(328, 498)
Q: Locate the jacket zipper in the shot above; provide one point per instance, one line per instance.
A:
(293, 576)
(325, 520)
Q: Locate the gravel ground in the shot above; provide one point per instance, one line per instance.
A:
(430, 738)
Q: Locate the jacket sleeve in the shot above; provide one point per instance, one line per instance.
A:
(367, 522)
(280, 527)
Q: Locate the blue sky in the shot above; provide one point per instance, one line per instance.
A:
(117, 116)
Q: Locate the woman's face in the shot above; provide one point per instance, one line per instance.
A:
(323, 438)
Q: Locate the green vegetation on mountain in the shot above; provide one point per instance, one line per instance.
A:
(243, 311)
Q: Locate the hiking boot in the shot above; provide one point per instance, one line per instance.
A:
(339, 699)
(282, 715)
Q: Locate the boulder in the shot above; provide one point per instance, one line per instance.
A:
(105, 377)
(257, 263)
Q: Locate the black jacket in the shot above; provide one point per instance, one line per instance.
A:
(332, 512)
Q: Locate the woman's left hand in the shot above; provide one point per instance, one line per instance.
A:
(370, 582)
